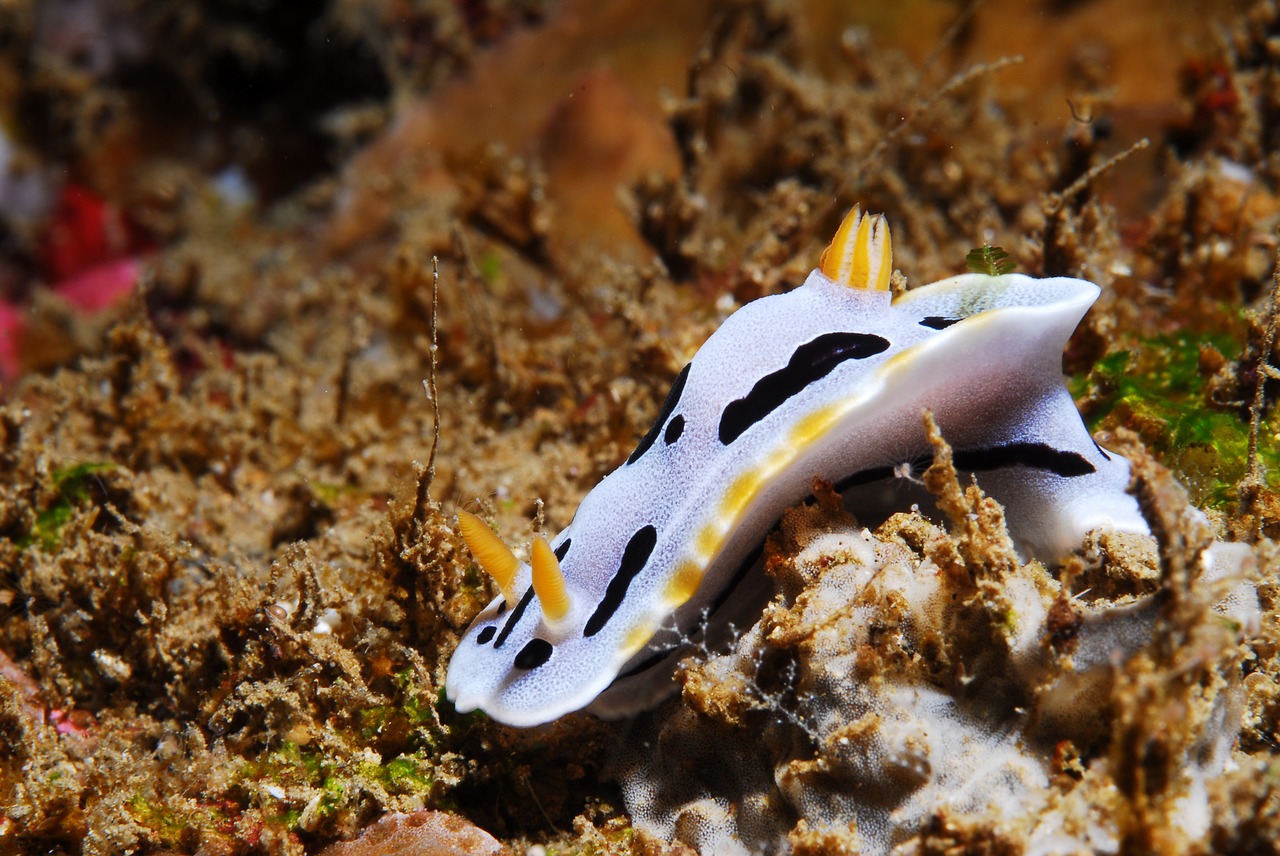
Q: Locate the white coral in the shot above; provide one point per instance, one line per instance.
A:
(875, 748)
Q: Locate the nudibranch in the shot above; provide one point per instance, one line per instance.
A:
(827, 380)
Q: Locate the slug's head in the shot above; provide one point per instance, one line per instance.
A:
(532, 654)
(860, 256)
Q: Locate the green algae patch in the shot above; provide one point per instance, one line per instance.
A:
(187, 825)
(289, 764)
(405, 774)
(1159, 390)
(71, 489)
(168, 826)
(410, 723)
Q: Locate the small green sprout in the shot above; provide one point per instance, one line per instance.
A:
(993, 261)
(490, 265)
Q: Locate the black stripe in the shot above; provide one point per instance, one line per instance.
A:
(673, 398)
(486, 634)
(515, 616)
(867, 476)
(633, 561)
(1038, 456)
(657, 657)
(562, 549)
(938, 322)
(811, 362)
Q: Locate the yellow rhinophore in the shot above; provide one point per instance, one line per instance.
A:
(548, 582)
(861, 254)
(490, 553)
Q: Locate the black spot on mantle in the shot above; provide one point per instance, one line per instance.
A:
(938, 322)
(674, 429)
(534, 654)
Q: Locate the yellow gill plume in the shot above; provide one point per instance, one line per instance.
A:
(490, 553)
(861, 254)
(548, 582)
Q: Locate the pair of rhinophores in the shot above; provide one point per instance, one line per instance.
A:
(827, 380)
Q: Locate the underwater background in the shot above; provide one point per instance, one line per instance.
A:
(283, 285)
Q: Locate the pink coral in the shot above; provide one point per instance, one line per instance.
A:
(420, 833)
